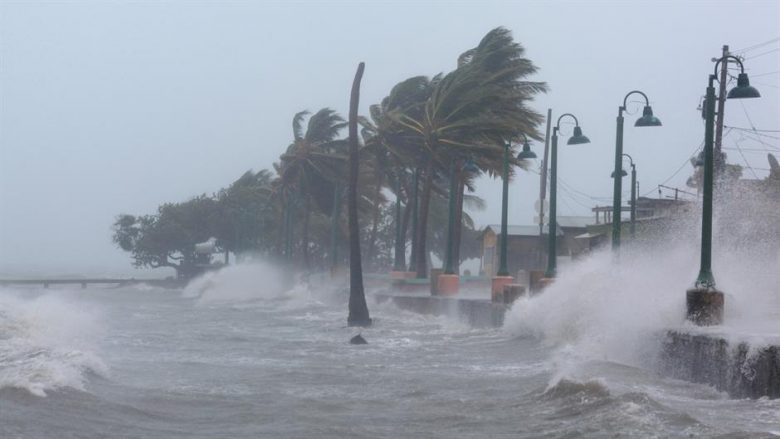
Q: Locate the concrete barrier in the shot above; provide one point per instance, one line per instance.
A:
(478, 313)
(736, 368)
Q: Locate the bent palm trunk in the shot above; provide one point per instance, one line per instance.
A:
(358, 310)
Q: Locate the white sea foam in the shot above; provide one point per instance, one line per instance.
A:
(46, 343)
(245, 282)
(602, 309)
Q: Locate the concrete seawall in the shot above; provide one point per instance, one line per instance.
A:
(734, 367)
(740, 368)
(479, 313)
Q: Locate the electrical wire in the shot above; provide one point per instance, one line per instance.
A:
(755, 46)
(764, 74)
(687, 161)
(762, 53)
(747, 164)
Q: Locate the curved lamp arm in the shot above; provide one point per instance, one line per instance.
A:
(726, 58)
(631, 160)
(558, 124)
(625, 99)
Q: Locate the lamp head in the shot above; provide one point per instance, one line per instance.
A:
(578, 138)
(526, 153)
(743, 89)
(623, 173)
(647, 119)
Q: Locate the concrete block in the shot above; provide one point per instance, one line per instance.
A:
(448, 284)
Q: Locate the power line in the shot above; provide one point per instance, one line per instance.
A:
(764, 84)
(763, 53)
(756, 46)
(687, 161)
(761, 141)
(752, 129)
(764, 74)
(747, 164)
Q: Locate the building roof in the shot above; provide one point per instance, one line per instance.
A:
(574, 221)
(519, 230)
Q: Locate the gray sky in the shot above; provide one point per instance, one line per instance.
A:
(117, 107)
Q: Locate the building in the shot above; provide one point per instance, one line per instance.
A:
(527, 249)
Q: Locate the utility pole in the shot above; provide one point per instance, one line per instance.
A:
(543, 182)
(721, 105)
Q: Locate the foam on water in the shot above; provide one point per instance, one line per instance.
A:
(47, 343)
(603, 309)
(242, 282)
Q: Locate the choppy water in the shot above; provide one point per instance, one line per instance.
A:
(234, 358)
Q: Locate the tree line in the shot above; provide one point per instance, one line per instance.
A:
(430, 133)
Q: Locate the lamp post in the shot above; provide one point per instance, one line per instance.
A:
(449, 282)
(647, 120)
(552, 227)
(502, 276)
(633, 192)
(704, 302)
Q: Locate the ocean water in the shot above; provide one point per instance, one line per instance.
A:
(238, 355)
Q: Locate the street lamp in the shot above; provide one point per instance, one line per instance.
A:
(623, 173)
(647, 120)
(704, 302)
(552, 228)
(502, 275)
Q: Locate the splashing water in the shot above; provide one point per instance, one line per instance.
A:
(46, 343)
(251, 281)
(602, 308)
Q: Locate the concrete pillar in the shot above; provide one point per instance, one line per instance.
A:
(512, 292)
(434, 277)
(497, 287)
(448, 284)
(704, 306)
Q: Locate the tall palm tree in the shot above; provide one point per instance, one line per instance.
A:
(396, 152)
(471, 113)
(358, 310)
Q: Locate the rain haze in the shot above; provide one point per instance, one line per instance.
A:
(109, 108)
(295, 219)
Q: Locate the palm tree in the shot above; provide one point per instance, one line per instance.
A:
(311, 166)
(358, 310)
(396, 152)
(471, 113)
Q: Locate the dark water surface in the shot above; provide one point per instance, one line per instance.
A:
(147, 363)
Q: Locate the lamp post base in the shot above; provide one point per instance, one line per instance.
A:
(497, 287)
(544, 283)
(704, 306)
(448, 284)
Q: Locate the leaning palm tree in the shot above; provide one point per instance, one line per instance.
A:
(312, 165)
(396, 151)
(358, 310)
(472, 113)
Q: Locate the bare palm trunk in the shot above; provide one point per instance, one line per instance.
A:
(358, 310)
(422, 222)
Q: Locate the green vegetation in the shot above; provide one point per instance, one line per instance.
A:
(423, 126)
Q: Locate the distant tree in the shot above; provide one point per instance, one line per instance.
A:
(168, 238)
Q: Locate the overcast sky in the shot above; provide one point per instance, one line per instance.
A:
(116, 107)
